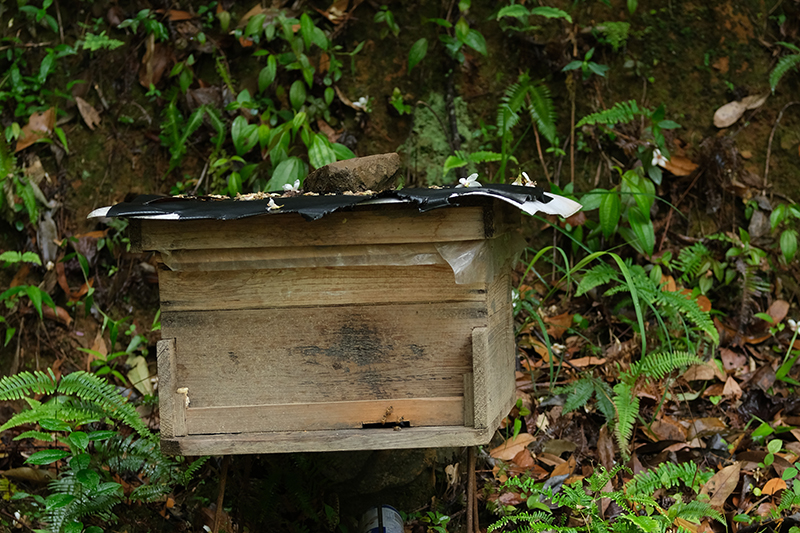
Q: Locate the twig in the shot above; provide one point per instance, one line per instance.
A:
(15, 362)
(771, 135)
(202, 176)
(60, 24)
(221, 496)
(538, 143)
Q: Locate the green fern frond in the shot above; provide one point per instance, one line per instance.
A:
(620, 113)
(578, 394)
(25, 383)
(605, 402)
(94, 389)
(537, 521)
(542, 110)
(659, 365)
(600, 274)
(627, 408)
(689, 307)
(667, 476)
(31, 416)
(694, 511)
(785, 64)
(691, 259)
(149, 493)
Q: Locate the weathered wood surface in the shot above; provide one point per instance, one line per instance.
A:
(171, 404)
(329, 415)
(326, 441)
(412, 254)
(299, 287)
(385, 225)
(315, 354)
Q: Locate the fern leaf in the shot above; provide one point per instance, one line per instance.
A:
(542, 110)
(691, 259)
(578, 394)
(691, 309)
(25, 383)
(605, 401)
(92, 388)
(620, 113)
(600, 274)
(785, 64)
(658, 365)
(627, 408)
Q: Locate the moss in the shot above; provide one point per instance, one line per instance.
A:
(427, 147)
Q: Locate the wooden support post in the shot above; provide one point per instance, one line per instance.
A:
(471, 526)
(221, 496)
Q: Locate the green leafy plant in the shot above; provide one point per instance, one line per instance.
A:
(78, 402)
(622, 407)
(785, 216)
(785, 64)
(385, 16)
(587, 66)
(639, 510)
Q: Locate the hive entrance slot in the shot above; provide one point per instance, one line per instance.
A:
(384, 425)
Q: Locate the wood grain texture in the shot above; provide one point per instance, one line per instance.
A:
(326, 441)
(412, 254)
(298, 287)
(170, 404)
(365, 225)
(317, 354)
(418, 412)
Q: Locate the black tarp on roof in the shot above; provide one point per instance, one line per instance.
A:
(528, 199)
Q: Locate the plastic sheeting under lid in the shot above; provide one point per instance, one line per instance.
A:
(528, 199)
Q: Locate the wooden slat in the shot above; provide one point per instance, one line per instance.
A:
(303, 257)
(480, 378)
(330, 415)
(326, 441)
(383, 225)
(298, 355)
(297, 287)
(171, 405)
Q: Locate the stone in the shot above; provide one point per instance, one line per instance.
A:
(371, 173)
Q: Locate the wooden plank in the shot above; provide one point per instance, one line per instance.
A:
(469, 400)
(326, 441)
(330, 415)
(480, 377)
(297, 287)
(367, 225)
(171, 405)
(412, 254)
(321, 354)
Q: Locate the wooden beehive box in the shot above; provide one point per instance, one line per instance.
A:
(376, 326)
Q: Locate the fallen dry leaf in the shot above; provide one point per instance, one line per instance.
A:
(728, 114)
(155, 62)
(88, 112)
(668, 284)
(680, 166)
(668, 429)
(701, 427)
(732, 360)
(773, 485)
(565, 468)
(523, 459)
(703, 372)
(558, 325)
(778, 310)
(336, 12)
(722, 484)
(329, 132)
(587, 361)
(512, 447)
(732, 389)
(605, 448)
(39, 126)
